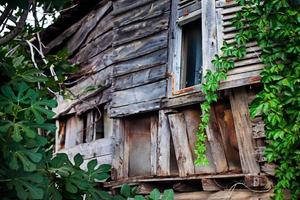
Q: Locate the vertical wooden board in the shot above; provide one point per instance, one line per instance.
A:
(243, 128)
(108, 125)
(118, 153)
(163, 145)
(209, 32)
(138, 143)
(74, 132)
(60, 135)
(89, 132)
(216, 144)
(226, 127)
(153, 153)
(192, 118)
(181, 144)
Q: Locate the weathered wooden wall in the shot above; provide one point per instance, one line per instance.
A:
(123, 47)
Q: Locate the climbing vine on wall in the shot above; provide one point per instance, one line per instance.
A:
(275, 25)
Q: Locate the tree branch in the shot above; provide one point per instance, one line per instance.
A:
(5, 14)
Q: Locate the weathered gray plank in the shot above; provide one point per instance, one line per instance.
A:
(140, 30)
(122, 6)
(150, 60)
(163, 145)
(140, 78)
(216, 144)
(209, 29)
(103, 26)
(118, 149)
(242, 124)
(192, 119)
(139, 94)
(74, 132)
(153, 153)
(148, 11)
(89, 24)
(90, 126)
(97, 148)
(181, 144)
(96, 46)
(141, 47)
(135, 108)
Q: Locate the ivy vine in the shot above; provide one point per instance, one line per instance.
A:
(274, 25)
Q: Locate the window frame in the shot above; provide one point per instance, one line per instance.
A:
(207, 12)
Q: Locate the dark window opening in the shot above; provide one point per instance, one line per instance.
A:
(191, 54)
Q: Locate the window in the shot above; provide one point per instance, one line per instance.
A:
(74, 129)
(97, 125)
(191, 63)
(193, 43)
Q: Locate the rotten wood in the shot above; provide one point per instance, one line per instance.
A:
(181, 144)
(243, 128)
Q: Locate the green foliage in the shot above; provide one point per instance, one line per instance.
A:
(130, 192)
(275, 27)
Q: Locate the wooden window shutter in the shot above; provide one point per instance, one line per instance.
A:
(246, 70)
(185, 7)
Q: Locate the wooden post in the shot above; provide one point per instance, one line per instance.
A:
(74, 132)
(153, 131)
(243, 128)
(209, 29)
(216, 144)
(181, 144)
(118, 143)
(163, 145)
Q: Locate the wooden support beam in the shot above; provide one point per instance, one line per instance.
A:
(118, 155)
(181, 144)
(74, 132)
(216, 144)
(153, 153)
(163, 145)
(243, 128)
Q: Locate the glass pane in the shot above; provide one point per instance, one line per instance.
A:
(191, 54)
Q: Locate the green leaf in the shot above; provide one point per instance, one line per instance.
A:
(155, 194)
(71, 188)
(168, 195)
(125, 190)
(92, 164)
(78, 160)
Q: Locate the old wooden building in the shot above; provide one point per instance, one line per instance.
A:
(136, 98)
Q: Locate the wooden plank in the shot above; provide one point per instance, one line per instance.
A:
(173, 49)
(163, 145)
(225, 123)
(192, 119)
(153, 153)
(90, 126)
(98, 148)
(138, 143)
(237, 194)
(88, 25)
(141, 47)
(96, 46)
(140, 78)
(243, 128)
(148, 11)
(135, 108)
(209, 29)
(215, 140)
(139, 94)
(154, 59)
(181, 144)
(74, 132)
(104, 25)
(118, 152)
(141, 29)
(123, 6)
